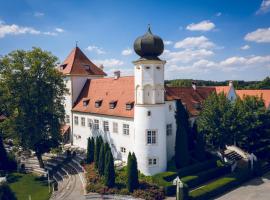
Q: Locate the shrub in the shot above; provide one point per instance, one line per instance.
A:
(220, 185)
(101, 161)
(6, 193)
(109, 170)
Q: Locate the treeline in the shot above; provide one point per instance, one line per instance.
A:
(238, 84)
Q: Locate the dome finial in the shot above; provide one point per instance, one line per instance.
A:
(149, 28)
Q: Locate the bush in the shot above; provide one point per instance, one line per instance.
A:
(6, 193)
(220, 186)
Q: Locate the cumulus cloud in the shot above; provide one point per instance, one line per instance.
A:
(168, 42)
(245, 47)
(205, 25)
(126, 52)
(97, 50)
(39, 14)
(109, 62)
(261, 35)
(195, 42)
(264, 8)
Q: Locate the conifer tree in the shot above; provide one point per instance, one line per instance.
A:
(199, 144)
(3, 156)
(107, 148)
(101, 160)
(181, 140)
(97, 150)
(132, 173)
(92, 150)
(135, 171)
(109, 170)
(88, 153)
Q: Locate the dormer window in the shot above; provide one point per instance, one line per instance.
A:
(87, 67)
(98, 103)
(129, 105)
(85, 102)
(113, 104)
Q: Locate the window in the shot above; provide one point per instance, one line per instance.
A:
(76, 120)
(148, 113)
(152, 161)
(96, 124)
(147, 67)
(123, 149)
(98, 103)
(169, 129)
(115, 127)
(113, 104)
(67, 119)
(86, 102)
(158, 67)
(129, 105)
(82, 121)
(151, 137)
(90, 123)
(106, 126)
(125, 129)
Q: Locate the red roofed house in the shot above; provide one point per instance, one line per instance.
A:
(133, 113)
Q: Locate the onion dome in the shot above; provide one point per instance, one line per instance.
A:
(149, 46)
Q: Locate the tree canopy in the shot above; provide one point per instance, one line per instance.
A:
(32, 91)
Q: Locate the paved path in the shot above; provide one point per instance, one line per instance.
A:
(258, 189)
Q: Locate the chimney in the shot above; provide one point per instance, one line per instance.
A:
(101, 66)
(116, 75)
(194, 84)
(231, 83)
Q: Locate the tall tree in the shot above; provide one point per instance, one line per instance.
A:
(109, 170)
(88, 151)
(101, 160)
(199, 149)
(33, 99)
(181, 140)
(97, 150)
(3, 156)
(132, 173)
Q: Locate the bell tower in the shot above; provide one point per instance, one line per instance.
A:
(149, 111)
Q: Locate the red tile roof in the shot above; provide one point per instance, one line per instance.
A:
(265, 94)
(121, 90)
(191, 98)
(64, 129)
(77, 63)
(107, 90)
(220, 89)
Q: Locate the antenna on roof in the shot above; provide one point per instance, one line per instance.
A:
(76, 43)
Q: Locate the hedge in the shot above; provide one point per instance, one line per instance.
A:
(220, 186)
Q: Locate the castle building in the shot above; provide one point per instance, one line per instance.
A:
(131, 113)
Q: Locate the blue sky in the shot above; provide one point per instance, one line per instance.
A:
(205, 39)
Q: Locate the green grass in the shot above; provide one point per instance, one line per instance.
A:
(24, 185)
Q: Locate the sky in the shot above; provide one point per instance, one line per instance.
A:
(204, 39)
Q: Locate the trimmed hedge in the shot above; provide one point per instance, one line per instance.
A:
(220, 186)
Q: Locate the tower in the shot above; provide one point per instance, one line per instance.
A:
(149, 111)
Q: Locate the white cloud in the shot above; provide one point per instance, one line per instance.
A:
(205, 25)
(39, 14)
(168, 42)
(245, 47)
(109, 62)
(195, 42)
(123, 71)
(50, 33)
(265, 7)
(14, 29)
(126, 52)
(59, 30)
(261, 35)
(97, 50)
(218, 14)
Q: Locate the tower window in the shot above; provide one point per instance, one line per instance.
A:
(148, 113)
(138, 67)
(158, 67)
(123, 149)
(152, 162)
(147, 67)
(151, 136)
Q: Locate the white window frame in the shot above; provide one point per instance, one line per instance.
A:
(76, 120)
(150, 162)
(123, 150)
(169, 129)
(115, 127)
(152, 140)
(125, 129)
(82, 121)
(106, 127)
(89, 122)
(96, 124)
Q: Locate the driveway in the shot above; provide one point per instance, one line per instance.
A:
(258, 189)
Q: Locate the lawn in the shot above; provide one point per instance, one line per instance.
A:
(24, 185)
